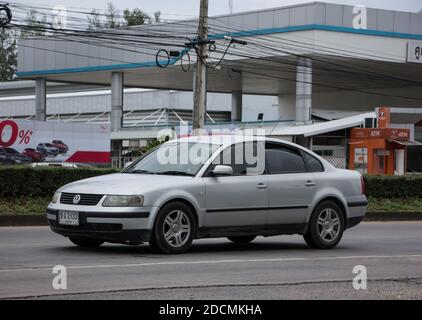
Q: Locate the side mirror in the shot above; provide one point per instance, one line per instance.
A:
(222, 171)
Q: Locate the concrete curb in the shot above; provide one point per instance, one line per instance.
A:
(41, 219)
(23, 220)
(393, 216)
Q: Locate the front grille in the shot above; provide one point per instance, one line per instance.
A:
(86, 199)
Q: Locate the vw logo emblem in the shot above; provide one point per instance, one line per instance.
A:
(76, 199)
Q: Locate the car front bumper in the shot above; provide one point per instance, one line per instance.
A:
(110, 227)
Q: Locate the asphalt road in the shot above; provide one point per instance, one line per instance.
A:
(269, 268)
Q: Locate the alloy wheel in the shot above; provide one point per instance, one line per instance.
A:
(176, 228)
(328, 225)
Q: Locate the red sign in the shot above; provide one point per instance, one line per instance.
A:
(57, 141)
(387, 134)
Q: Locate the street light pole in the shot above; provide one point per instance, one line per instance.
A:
(200, 79)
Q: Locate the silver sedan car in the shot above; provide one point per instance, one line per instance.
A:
(213, 186)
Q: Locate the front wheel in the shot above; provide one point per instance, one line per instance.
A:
(174, 229)
(86, 242)
(326, 226)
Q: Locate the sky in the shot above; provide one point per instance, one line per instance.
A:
(189, 8)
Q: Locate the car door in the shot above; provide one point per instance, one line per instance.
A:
(238, 200)
(291, 187)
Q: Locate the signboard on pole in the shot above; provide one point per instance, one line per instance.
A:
(387, 134)
(384, 117)
(57, 141)
(414, 51)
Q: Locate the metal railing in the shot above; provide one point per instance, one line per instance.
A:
(339, 163)
(120, 162)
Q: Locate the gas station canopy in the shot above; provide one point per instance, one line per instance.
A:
(343, 58)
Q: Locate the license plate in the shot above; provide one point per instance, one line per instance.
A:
(69, 218)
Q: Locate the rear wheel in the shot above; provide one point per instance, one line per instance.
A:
(86, 242)
(174, 229)
(326, 226)
(242, 239)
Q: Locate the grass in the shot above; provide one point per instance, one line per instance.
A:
(395, 205)
(25, 206)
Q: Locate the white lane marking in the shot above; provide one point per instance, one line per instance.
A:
(169, 263)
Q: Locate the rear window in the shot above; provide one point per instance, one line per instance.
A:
(313, 164)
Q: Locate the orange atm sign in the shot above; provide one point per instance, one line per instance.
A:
(387, 134)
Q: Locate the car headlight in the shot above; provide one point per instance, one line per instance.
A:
(123, 201)
(56, 197)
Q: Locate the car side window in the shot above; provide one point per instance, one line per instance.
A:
(236, 157)
(282, 159)
(313, 164)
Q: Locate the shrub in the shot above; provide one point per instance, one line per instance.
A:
(41, 182)
(394, 187)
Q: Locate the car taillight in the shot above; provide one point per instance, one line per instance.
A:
(362, 182)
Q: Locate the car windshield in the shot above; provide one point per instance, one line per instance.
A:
(184, 159)
(10, 151)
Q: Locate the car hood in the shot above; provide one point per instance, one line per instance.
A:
(122, 184)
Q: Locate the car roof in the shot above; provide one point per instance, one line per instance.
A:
(227, 140)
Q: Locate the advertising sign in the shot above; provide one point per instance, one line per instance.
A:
(361, 160)
(384, 116)
(41, 141)
(414, 51)
(388, 134)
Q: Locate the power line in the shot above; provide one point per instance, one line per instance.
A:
(259, 47)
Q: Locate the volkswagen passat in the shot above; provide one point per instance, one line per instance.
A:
(202, 187)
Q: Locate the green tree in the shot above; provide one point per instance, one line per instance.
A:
(8, 55)
(34, 24)
(111, 21)
(94, 20)
(157, 16)
(112, 18)
(135, 17)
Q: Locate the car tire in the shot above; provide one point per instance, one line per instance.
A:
(326, 226)
(242, 239)
(174, 229)
(86, 242)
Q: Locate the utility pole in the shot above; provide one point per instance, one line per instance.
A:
(200, 78)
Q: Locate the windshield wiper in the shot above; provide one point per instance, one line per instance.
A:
(141, 171)
(176, 173)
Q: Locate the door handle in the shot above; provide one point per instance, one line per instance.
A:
(310, 183)
(261, 186)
